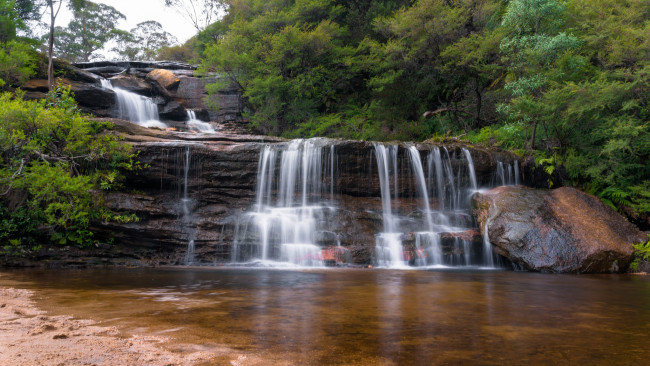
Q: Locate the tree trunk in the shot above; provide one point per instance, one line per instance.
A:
(477, 90)
(532, 136)
(50, 48)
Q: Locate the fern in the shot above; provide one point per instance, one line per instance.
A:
(614, 197)
(641, 252)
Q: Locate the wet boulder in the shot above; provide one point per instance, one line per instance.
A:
(562, 230)
(173, 111)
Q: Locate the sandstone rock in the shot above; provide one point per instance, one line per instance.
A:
(132, 83)
(36, 85)
(563, 230)
(165, 78)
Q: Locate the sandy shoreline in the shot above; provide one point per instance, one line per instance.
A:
(28, 336)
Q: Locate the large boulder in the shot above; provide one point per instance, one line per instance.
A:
(172, 111)
(164, 78)
(561, 230)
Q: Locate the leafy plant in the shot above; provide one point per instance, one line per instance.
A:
(641, 252)
(53, 163)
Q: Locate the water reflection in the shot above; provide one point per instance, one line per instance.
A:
(366, 316)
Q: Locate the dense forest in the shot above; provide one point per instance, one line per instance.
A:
(567, 82)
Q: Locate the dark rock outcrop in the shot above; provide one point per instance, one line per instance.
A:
(563, 230)
(132, 84)
(90, 96)
(172, 111)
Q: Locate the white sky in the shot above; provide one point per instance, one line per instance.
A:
(137, 11)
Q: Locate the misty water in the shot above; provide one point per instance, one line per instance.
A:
(363, 316)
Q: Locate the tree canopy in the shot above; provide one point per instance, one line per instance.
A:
(565, 80)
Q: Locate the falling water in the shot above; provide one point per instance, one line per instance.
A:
(388, 246)
(421, 184)
(290, 211)
(196, 125)
(516, 172)
(506, 174)
(135, 108)
(186, 210)
(488, 255)
(295, 208)
(470, 165)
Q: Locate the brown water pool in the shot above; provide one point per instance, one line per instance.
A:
(364, 317)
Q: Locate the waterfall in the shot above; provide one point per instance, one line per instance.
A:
(135, 108)
(470, 165)
(196, 125)
(416, 163)
(488, 255)
(506, 174)
(294, 218)
(388, 245)
(516, 172)
(186, 217)
(290, 210)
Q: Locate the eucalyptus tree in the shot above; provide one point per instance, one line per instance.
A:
(91, 27)
(144, 41)
(54, 7)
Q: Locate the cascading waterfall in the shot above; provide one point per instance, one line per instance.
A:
(506, 174)
(433, 237)
(135, 108)
(290, 210)
(388, 246)
(430, 226)
(186, 211)
(196, 125)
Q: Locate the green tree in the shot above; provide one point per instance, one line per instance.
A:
(92, 26)
(144, 41)
(53, 163)
(534, 41)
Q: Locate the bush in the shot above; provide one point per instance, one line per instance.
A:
(17, 63)
(53, 163)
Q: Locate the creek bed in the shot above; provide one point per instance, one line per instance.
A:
(362, 316)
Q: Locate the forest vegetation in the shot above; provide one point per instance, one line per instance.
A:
(564, 81)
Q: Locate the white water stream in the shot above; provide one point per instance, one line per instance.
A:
(135, 108)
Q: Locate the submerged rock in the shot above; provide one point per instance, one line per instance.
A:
(563, 230)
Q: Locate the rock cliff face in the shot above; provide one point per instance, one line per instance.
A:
(221, 183)
(175, 87)
(563, 230)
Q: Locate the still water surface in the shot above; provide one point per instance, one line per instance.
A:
(365, 317)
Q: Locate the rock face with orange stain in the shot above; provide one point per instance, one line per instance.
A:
(562, 230)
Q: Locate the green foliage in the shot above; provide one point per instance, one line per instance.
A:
(92, 26)
(641, 252)
(17, 63)
(53, 160)
(143, 42)
(568, 81)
